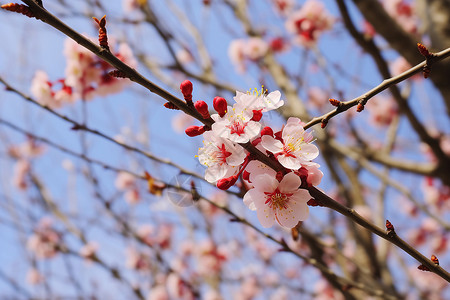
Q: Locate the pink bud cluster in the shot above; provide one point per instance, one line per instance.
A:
(87, 76)
(275, 195)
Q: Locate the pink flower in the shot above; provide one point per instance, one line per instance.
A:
(236, 52)
(158, 292)
(41, 89)
(295, 148)
(403, 13)
(309, 22)
(138, 261)
(236, 125)
(255, 48)
(45, 240)
(281, 201)
(382, 111)
(221, 156)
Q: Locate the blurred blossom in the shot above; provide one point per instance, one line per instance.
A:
(177, 288)
(45, 241)
(403, 12)
(382, 111)
(138, 260)
(255, 48)
(34, 276)
(88, 251)
(181, 121)
(318, 98)
(283, 7)
(158, 292)
(127, 182)
(184, 56)
(21, 170)
(210, 258)
(324, 291)
(309, 22)
(248, 289)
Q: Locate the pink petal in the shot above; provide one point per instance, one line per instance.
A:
(271, 144)
(289, 183)
(266, 216)
(309, 151)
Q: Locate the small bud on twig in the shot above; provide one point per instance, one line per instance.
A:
(19, 8)
(334, 102)
(102, 35)
(324, 123)
(170, 105)
(435, 259)
(423, 50)
(360, 107)
(423, 268)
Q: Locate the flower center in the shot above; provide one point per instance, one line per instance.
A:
(222, 154)
(277, 199)
(237, 127)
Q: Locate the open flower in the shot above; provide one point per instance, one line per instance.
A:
(282, 201)
(295, 148)
(236, 125)
(221, 156)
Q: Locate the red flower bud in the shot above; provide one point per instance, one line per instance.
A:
(226, 183)
(202, 109)
(277, 44)
(389, 226)
(195, 130)
(324, 123)
(186, 88)
(267, 131)
(257, 115)
(220, 105)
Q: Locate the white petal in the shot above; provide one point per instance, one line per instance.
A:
(289, 162)
(249, 198)
(289, 183)
(271, 144)
(309, 151)
(252, 129)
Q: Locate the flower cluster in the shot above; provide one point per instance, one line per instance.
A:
(279, 196)
(86, 77)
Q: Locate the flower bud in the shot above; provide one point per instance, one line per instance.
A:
(220, 105)
(226, 183)
(202, 109)
(186, 89)
(267, 131)
(246, 176)
(195, 130)
(257, 115)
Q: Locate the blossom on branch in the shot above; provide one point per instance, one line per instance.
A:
(281, 201)
(294, 149)
(221, 156)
